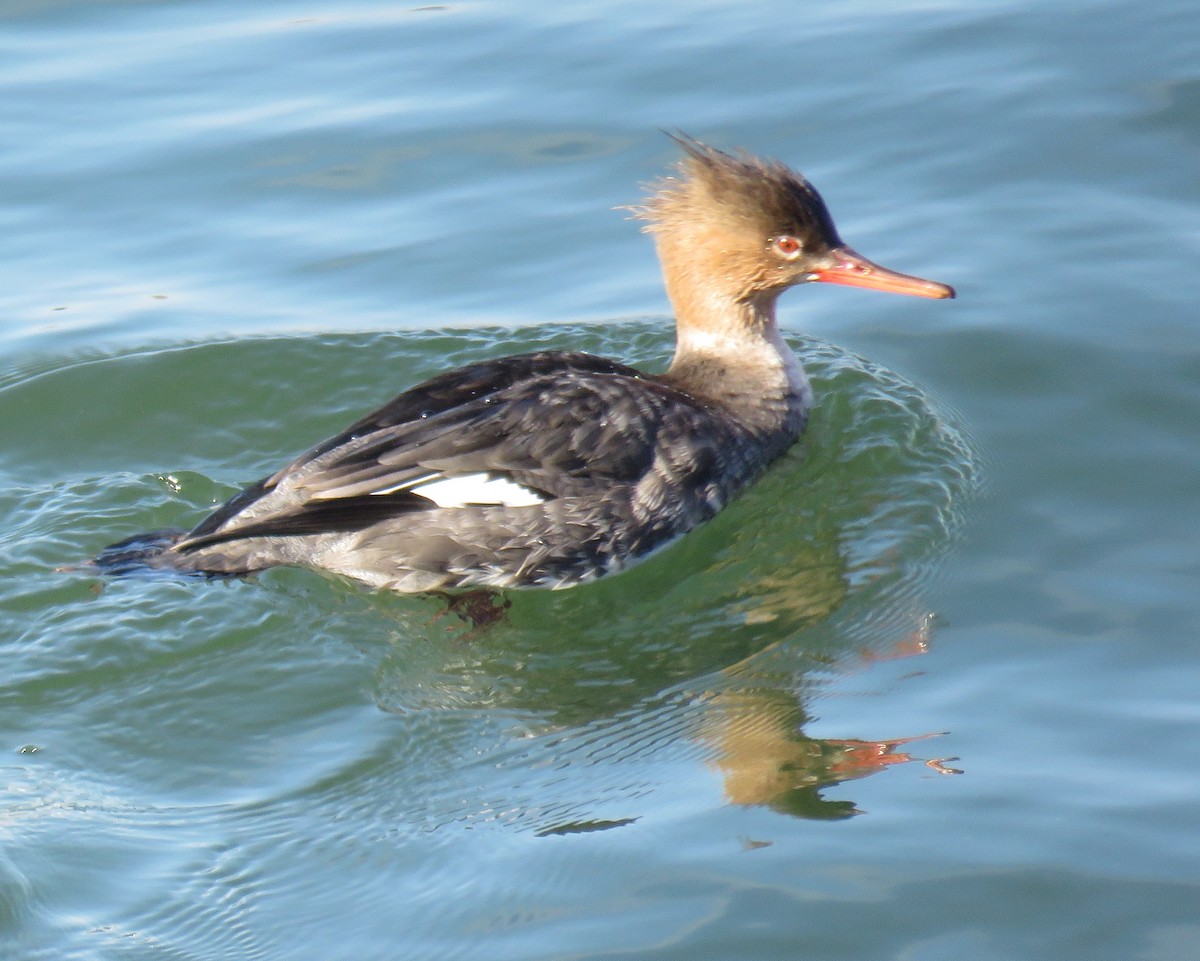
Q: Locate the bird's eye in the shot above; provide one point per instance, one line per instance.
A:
(787, 246)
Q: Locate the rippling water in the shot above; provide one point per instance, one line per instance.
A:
(303, 712)
(927, 691)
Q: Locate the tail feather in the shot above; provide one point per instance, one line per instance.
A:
(142, 552)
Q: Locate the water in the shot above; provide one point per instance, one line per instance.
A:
(228, 231)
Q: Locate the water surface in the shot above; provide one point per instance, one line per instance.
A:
(230, 231)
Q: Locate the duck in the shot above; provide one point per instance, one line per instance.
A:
(555, 468)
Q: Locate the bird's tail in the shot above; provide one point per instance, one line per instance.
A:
(142, 552)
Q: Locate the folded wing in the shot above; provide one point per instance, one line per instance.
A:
(516, 432)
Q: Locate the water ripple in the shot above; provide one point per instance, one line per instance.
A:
(232, 744)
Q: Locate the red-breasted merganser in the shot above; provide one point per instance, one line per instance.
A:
(551, 469)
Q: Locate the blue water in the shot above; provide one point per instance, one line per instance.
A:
(927, 692)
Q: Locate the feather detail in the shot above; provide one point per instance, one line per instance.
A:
(472, 490)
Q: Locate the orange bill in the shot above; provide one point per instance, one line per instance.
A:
(854, 270)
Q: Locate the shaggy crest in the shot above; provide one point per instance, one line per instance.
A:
(739, 192)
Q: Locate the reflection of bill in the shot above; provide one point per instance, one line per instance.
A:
(786, 770)
(765, 759)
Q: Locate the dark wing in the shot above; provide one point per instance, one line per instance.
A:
(538, 427)
(451, 390)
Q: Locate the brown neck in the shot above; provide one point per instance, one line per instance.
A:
(728, 347)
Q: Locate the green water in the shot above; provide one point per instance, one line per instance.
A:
(231, 705)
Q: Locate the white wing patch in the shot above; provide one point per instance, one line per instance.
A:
(480, 490)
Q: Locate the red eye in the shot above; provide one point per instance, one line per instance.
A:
(786, 246)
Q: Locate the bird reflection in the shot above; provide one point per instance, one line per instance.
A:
(576, 706)
(765, 758)
(595, 677)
